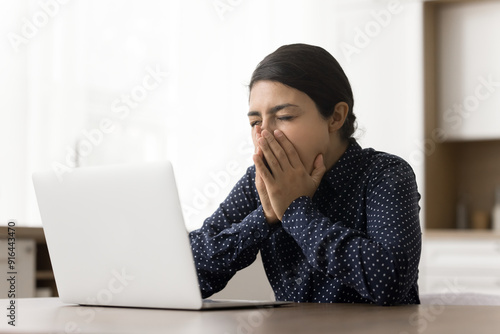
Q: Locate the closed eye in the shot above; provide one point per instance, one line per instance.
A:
(285, 118)
(280, 118)
(254, 123)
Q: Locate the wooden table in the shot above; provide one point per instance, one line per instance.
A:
(50, 315)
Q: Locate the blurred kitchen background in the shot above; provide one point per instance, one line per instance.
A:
(86, 83)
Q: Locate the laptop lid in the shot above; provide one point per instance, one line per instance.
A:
(116, 236)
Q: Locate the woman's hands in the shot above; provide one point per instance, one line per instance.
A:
(287, 178)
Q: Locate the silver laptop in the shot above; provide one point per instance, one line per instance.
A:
(116, 237)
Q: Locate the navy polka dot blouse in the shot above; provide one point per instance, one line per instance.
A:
(358, 240)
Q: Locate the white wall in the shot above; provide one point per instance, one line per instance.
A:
(68, 77)
(12, 117)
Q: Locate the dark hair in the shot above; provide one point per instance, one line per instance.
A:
(314, 71)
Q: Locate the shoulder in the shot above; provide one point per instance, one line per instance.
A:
(379, 159)
(364, 165)
(246, 183)
(383, 165)
(243, 194)
(369, 158)
(365, 159)
(251, 171)
(248, 179)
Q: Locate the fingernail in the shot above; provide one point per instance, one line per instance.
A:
(278, 133)
(266, 134)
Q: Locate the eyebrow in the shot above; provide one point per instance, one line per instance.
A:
(273, 110)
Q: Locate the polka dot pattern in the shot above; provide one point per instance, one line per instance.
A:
(358, 240)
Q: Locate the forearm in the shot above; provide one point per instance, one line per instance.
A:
(220, 253)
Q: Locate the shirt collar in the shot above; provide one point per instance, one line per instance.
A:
(345, 168)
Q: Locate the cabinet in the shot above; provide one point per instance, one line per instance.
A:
(457, 262)
(462, 145)
(462, 110)
(34, 271)
(468, 81)
(22, 282)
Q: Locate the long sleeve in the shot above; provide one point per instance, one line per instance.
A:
(379, 260)
(229, 239)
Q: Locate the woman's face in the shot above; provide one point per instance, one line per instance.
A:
(276, 106)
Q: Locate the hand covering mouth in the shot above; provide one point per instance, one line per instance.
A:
(267, 165)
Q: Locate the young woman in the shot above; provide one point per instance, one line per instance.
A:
(333, 222)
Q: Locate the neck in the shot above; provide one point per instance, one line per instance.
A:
(337, 149)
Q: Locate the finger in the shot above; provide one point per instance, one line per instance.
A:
(261, 169)
(319, 169)
(259, 184)
(278, 151)
(258, 129)
(258, 151)
(289, 149)
(269, 157)
(257, 135)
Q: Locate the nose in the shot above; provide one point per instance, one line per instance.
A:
(260, 128)
(266, 125)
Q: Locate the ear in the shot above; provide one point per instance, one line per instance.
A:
(338, 117)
